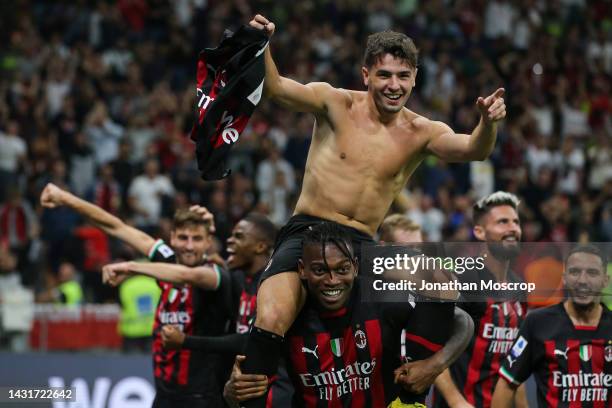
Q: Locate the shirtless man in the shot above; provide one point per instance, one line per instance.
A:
(365, 145)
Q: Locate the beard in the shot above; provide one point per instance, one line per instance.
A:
(504, 251)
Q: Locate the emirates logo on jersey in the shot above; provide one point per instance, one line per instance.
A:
(608, 353)
(361, 340)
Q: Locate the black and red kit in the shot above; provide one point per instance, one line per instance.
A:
(496, 325)
(230, 85)
(572, 364)
(189, 373)
(347, 358)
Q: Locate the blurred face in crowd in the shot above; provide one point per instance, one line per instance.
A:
(390, 81)
(328, 280)
(190, 243)
(243, 245)
(500, 228)
(584, 279)
(404, 236)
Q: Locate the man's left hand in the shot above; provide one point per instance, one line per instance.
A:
(492, 108)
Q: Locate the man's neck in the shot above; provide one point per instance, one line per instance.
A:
(583, 315)
(498, 267)
(257, 265)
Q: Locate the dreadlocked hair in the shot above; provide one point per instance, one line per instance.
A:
(327, 233)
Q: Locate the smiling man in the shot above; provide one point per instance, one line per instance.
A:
(195, 295)
(568, 346)
(470, 381)
(341, 351)
(365, 146)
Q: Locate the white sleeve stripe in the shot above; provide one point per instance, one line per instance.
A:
(156, 245)
(218, 273)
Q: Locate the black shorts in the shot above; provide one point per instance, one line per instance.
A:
(288, 246)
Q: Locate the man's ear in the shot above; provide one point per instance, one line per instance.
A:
(365, 75)
(301, 269)
(261, 248)
(479, 232)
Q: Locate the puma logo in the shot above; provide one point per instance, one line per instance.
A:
(313, 352)
(562, 353)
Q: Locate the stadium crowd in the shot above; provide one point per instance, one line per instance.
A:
(98, 98)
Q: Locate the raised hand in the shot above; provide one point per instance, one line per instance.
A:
(206, 216)
(492, 108)
(114, 274)
(261, 23)
(51, 196)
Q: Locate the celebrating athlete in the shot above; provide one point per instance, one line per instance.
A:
(365, 145)
(568, 346)
(195, 295)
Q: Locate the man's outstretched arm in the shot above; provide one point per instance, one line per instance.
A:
(291, 94)
(53, 196)
(453, 147)
(205, 277)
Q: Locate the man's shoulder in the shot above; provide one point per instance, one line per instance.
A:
(544, 314)
(423, 124)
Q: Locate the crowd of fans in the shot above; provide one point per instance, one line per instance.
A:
(98, 97)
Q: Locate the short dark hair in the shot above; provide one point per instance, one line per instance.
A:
(499, 198)
(265, 229)
(187, 219)
(327, 233)
(390, 42)
(588, 249)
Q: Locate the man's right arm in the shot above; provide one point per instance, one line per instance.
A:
(53, 196)
(292, 95)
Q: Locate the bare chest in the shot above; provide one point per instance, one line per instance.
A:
(374, 149)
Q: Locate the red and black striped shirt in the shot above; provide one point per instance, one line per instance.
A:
(198, 312)
(572, 364)
(346, 358)
(496, 323)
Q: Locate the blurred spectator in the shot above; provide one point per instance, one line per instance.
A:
(65, 288)
(13, 152)
(147, 194)
(138, 296)
(103, 133)
(275, 181)
(16, 311)
(19, 231)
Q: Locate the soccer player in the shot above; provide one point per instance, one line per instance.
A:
(470, 381)
(249, 248)
(341, 351)
(194, 295)
(365, 145)
(568, 346)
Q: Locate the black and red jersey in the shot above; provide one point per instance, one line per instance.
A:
(496, 325)
(572, 364)
(198, 312)
(244, 288)
(346, 358)
(230, 85)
